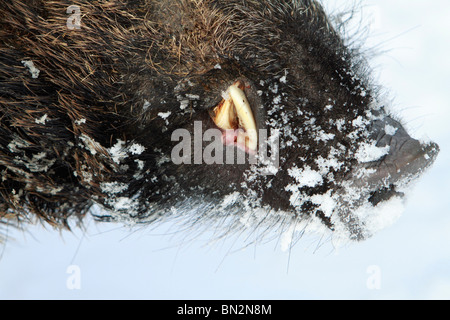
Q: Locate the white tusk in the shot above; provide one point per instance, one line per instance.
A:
(224, 115)
(245, 114)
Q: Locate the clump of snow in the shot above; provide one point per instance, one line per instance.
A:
(32, 68)
(79, 122)
(331, 162)
(140, 165)
(390, 130)
(277, 99)
(326, 203)
(340, 124)
(85, 174)
(306, 177)
(38, 163)
(230, 199)
(274, 88)
(184, 103)
(192, 96)
(17, 143)
(123, 203)
(90, 144)
(369, 152)
(45, 189)
(323, 136)
(360, 122)
(136, 149)
(164, 115)
(118, 152)
(42, 120)
(113, 187)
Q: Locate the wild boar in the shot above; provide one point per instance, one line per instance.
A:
(238, 113)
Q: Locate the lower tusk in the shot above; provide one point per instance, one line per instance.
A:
(245, 115)
(224, 115)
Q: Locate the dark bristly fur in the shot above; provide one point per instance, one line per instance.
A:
(104, 85)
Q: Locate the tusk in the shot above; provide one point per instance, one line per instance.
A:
(234, 112)
(245, 115)
(225, 112)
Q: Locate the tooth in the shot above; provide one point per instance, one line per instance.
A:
(245, 115)
(234, 112)
(225, 115)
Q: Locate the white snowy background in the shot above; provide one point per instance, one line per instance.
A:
(409, 260)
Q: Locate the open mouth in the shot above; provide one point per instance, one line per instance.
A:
(234, 116)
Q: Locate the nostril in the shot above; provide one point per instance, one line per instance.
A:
(384, 194)
(431, 151)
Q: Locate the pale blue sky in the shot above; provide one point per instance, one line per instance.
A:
(412, 256)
